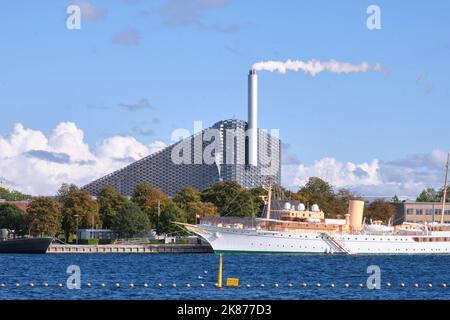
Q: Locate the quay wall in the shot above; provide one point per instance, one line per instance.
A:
(128, 248)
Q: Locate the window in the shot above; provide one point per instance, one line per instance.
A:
(437, 211)
(429, 211)
(410, 211)
(419, 211)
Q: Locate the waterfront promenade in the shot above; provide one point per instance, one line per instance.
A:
(130, 248)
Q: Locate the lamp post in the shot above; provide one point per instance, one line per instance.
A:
(77, 226)
(93, 227)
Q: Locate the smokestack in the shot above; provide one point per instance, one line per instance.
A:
(252, 118)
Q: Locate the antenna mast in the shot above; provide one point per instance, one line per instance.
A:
(444, 198)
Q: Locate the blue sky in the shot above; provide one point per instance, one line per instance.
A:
(187, 60)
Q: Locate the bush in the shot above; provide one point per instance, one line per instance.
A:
(91, 242)
(105, 241)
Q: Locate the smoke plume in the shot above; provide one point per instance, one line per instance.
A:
(313, 67)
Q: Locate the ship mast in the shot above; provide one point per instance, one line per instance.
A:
(269, 196)
(445, 189)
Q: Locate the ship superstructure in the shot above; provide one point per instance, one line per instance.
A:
(289, 227)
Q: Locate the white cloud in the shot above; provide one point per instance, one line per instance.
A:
(120, 148)
(184, 13)
(405, 177)
(89, 11)
(141, 104)
(67, 138)
(338, 173)
(127, 37)
(37, 163)
(21, 140)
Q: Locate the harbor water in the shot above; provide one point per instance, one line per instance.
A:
(193, 276)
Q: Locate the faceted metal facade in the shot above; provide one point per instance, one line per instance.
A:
(230, 163)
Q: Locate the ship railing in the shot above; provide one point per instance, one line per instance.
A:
(246, 222)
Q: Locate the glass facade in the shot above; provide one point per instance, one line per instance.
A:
(229, 162)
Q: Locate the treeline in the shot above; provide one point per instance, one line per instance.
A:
(433, 195)
(335, 203)
(148, 208)
(13, 195)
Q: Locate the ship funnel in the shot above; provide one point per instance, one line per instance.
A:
(355, 210)
(252, 118)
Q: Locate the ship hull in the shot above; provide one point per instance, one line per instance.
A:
(25, 245)
(229, 240)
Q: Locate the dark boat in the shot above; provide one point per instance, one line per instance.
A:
(23, 245)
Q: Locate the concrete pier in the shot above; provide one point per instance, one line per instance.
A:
(130, 248)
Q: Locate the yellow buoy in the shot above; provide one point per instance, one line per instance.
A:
(232, 282)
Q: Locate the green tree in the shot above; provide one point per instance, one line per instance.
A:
(441, 195)
(170, 214)
(151, 200)
(79, 208)
(380, 210)
(12, 218)
(204, 209)
(258, 194)
(429, 195)
(283, 193)
(44, 217)
(130, 220)
(189, 200)
(185, 196)
(230, 199)
(13, 195)
(147, 197)
(110, 202)
(340, 203)
(320, 192)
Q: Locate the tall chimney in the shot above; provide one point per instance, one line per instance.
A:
(252, 118)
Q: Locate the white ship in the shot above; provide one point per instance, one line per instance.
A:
(291, 229)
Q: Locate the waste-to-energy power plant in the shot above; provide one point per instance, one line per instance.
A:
(242, 152)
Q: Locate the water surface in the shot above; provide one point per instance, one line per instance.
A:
(195, 269)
